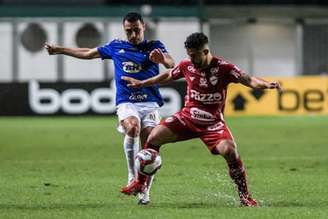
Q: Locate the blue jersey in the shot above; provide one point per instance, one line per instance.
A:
(133, 61)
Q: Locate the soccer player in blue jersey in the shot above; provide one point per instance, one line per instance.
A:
(136, 107)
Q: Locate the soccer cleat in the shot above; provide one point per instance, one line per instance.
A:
(143, 199)
(134, 188)
(247, 201)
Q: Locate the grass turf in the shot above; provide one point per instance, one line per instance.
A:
(73, 167)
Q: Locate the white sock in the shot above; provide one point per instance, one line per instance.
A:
(131, 148)
(149, 183)
(145, 195)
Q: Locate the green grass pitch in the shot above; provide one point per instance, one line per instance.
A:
(73, 167)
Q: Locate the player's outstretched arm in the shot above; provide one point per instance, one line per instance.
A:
(80, 53)
(259, 83)
(159, 57)
(158, 79)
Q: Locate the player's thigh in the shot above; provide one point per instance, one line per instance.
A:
(215, 139)
(150, 118)
(145, 132)
(171, 129)
(161, 135)
(128, 117)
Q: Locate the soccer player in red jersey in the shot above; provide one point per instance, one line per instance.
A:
(207, 80)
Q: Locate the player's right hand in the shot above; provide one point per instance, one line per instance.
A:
(52, 49)
(276, 85)
(132, 82)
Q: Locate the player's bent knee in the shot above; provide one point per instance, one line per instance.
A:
(226, 148)
(215, 151)
(132, 129)
(161, 135)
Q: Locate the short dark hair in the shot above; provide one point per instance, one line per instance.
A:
(133, 17)
(196, 41)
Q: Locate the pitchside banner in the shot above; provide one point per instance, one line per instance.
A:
(302, 95)
(94, 98)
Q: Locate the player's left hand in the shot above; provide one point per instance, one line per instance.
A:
(132, 82)
(157, 56)
(276, 85)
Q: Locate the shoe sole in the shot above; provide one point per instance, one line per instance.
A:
(143, 202)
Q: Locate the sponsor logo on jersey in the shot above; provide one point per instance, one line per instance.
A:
(216, 126)
(121, 51)
(138, 96)
(214, 80)
(131, 67)
(201, 115)
(207, 98)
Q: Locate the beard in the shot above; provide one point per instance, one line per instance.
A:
(197, 64)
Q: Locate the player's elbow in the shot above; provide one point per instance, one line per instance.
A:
(87, 56)
(90, 54)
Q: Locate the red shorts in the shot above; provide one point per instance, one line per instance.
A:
(184, 129)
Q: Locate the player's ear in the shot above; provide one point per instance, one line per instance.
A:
(206, 51)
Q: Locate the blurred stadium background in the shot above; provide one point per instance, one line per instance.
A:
(266, 38)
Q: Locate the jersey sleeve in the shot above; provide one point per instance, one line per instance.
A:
(159, 45)
(106, 51)
(233, 73)
(177, 72)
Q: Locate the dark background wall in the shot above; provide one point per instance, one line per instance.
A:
(169, 2)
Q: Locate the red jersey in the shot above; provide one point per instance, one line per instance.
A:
(206, 89)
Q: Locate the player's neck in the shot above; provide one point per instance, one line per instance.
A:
(136, 43)
(207, 61)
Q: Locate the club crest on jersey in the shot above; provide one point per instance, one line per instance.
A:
(214, 80)
(214, 70)
(131, 67)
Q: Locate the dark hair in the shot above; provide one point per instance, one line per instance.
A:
(133, 17)
(196, 41)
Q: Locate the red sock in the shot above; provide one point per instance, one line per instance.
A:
(142, 178)
(238, 175)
